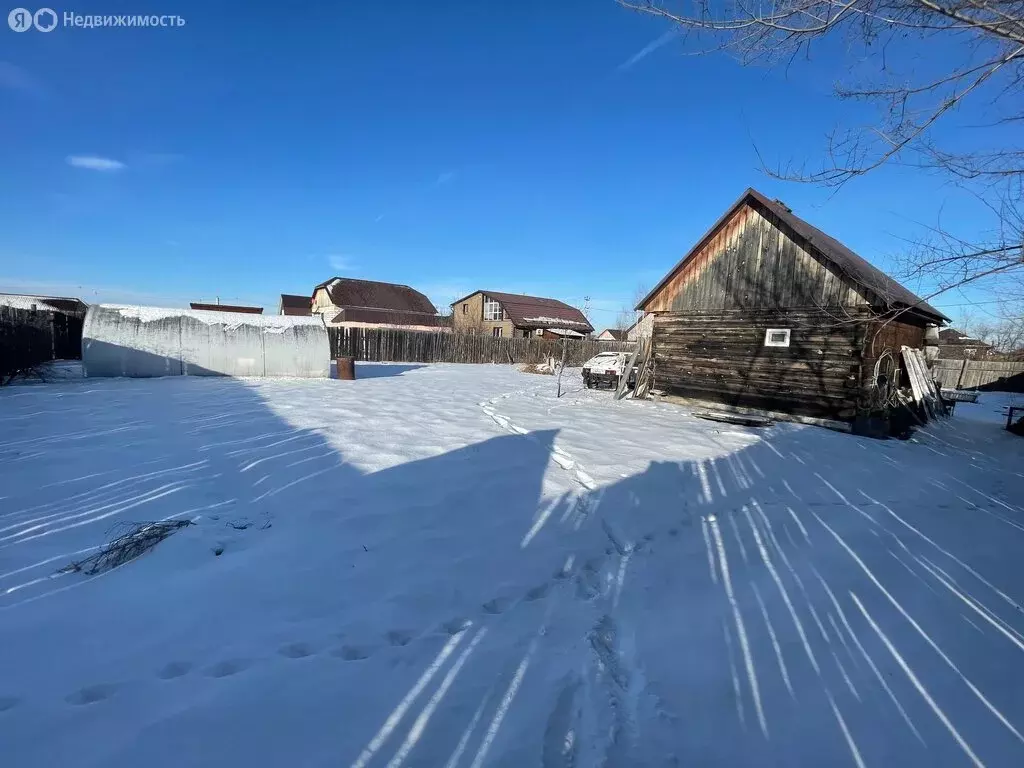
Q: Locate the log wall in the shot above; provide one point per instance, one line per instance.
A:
(721, 356)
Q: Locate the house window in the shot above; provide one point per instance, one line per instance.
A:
(465, 309)
(776, 337)
(496, 332)
(492, 310)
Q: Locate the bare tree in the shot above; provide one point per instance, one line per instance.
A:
(625, 319)
(982, 73)
(1005, 335)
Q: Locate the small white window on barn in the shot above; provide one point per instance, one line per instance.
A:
(496, 332)
(776, 337)
(492, 310)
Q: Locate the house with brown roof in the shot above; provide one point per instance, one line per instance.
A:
(514, 314)
(770, 312)
(347, 302)
(292, 304)
(954, 345)
(240, 309)
(612, 334)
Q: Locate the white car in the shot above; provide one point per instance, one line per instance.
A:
(607, 368)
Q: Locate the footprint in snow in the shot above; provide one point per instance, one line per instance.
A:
(353, 652)
(399, 637)
(456, 625)
(175, 669)
(91, 694)
(296, 650)
(228, 667)
(8, 702)
(497, 605)
(538, 592)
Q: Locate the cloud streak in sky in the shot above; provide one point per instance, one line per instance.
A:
(647, 50)
(341, 263)
(14, 78)
(444, 178)
(95, 163)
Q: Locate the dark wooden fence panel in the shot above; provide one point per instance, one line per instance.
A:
(67, 336)
(401, 346)
(991, 375)
(26, 340)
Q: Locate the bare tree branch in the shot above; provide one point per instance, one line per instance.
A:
(983, 56)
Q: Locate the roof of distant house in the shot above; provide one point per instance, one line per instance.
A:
(951, 336)
(537, 312)
(226, 308)
(292, 304)
(349, 292)
(54, 303)
(616, 333)
(862, 272)
(390, 317)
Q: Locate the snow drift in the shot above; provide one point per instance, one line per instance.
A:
(152, 341)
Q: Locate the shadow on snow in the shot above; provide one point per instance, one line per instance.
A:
(768, 602)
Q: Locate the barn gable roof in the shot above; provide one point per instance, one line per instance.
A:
(537, 312)
(349, 292)
(846, 262)
(292, 304)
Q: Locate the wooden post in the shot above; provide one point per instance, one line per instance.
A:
(963, 369)
(624, 379)
(560, 369)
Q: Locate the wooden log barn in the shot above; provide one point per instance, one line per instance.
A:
(768, 312)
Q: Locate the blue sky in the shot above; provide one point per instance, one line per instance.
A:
(566, 149)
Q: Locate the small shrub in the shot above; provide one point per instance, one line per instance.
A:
(135, 541)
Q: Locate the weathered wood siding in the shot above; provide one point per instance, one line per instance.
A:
(988, 375)
(754, 262)
(721, 356)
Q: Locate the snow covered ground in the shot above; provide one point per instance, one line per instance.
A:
(447, 566)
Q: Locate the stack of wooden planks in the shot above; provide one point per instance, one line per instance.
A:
(926, 394)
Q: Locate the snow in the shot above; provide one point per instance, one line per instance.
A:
(565, 332)
(25, 302)
(448, 565)
(554, 320)
(269, 323)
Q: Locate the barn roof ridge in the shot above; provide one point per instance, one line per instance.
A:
(856, 267)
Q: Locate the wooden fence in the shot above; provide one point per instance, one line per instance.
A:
(26, 340)
(989, 375)
(401, 346)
